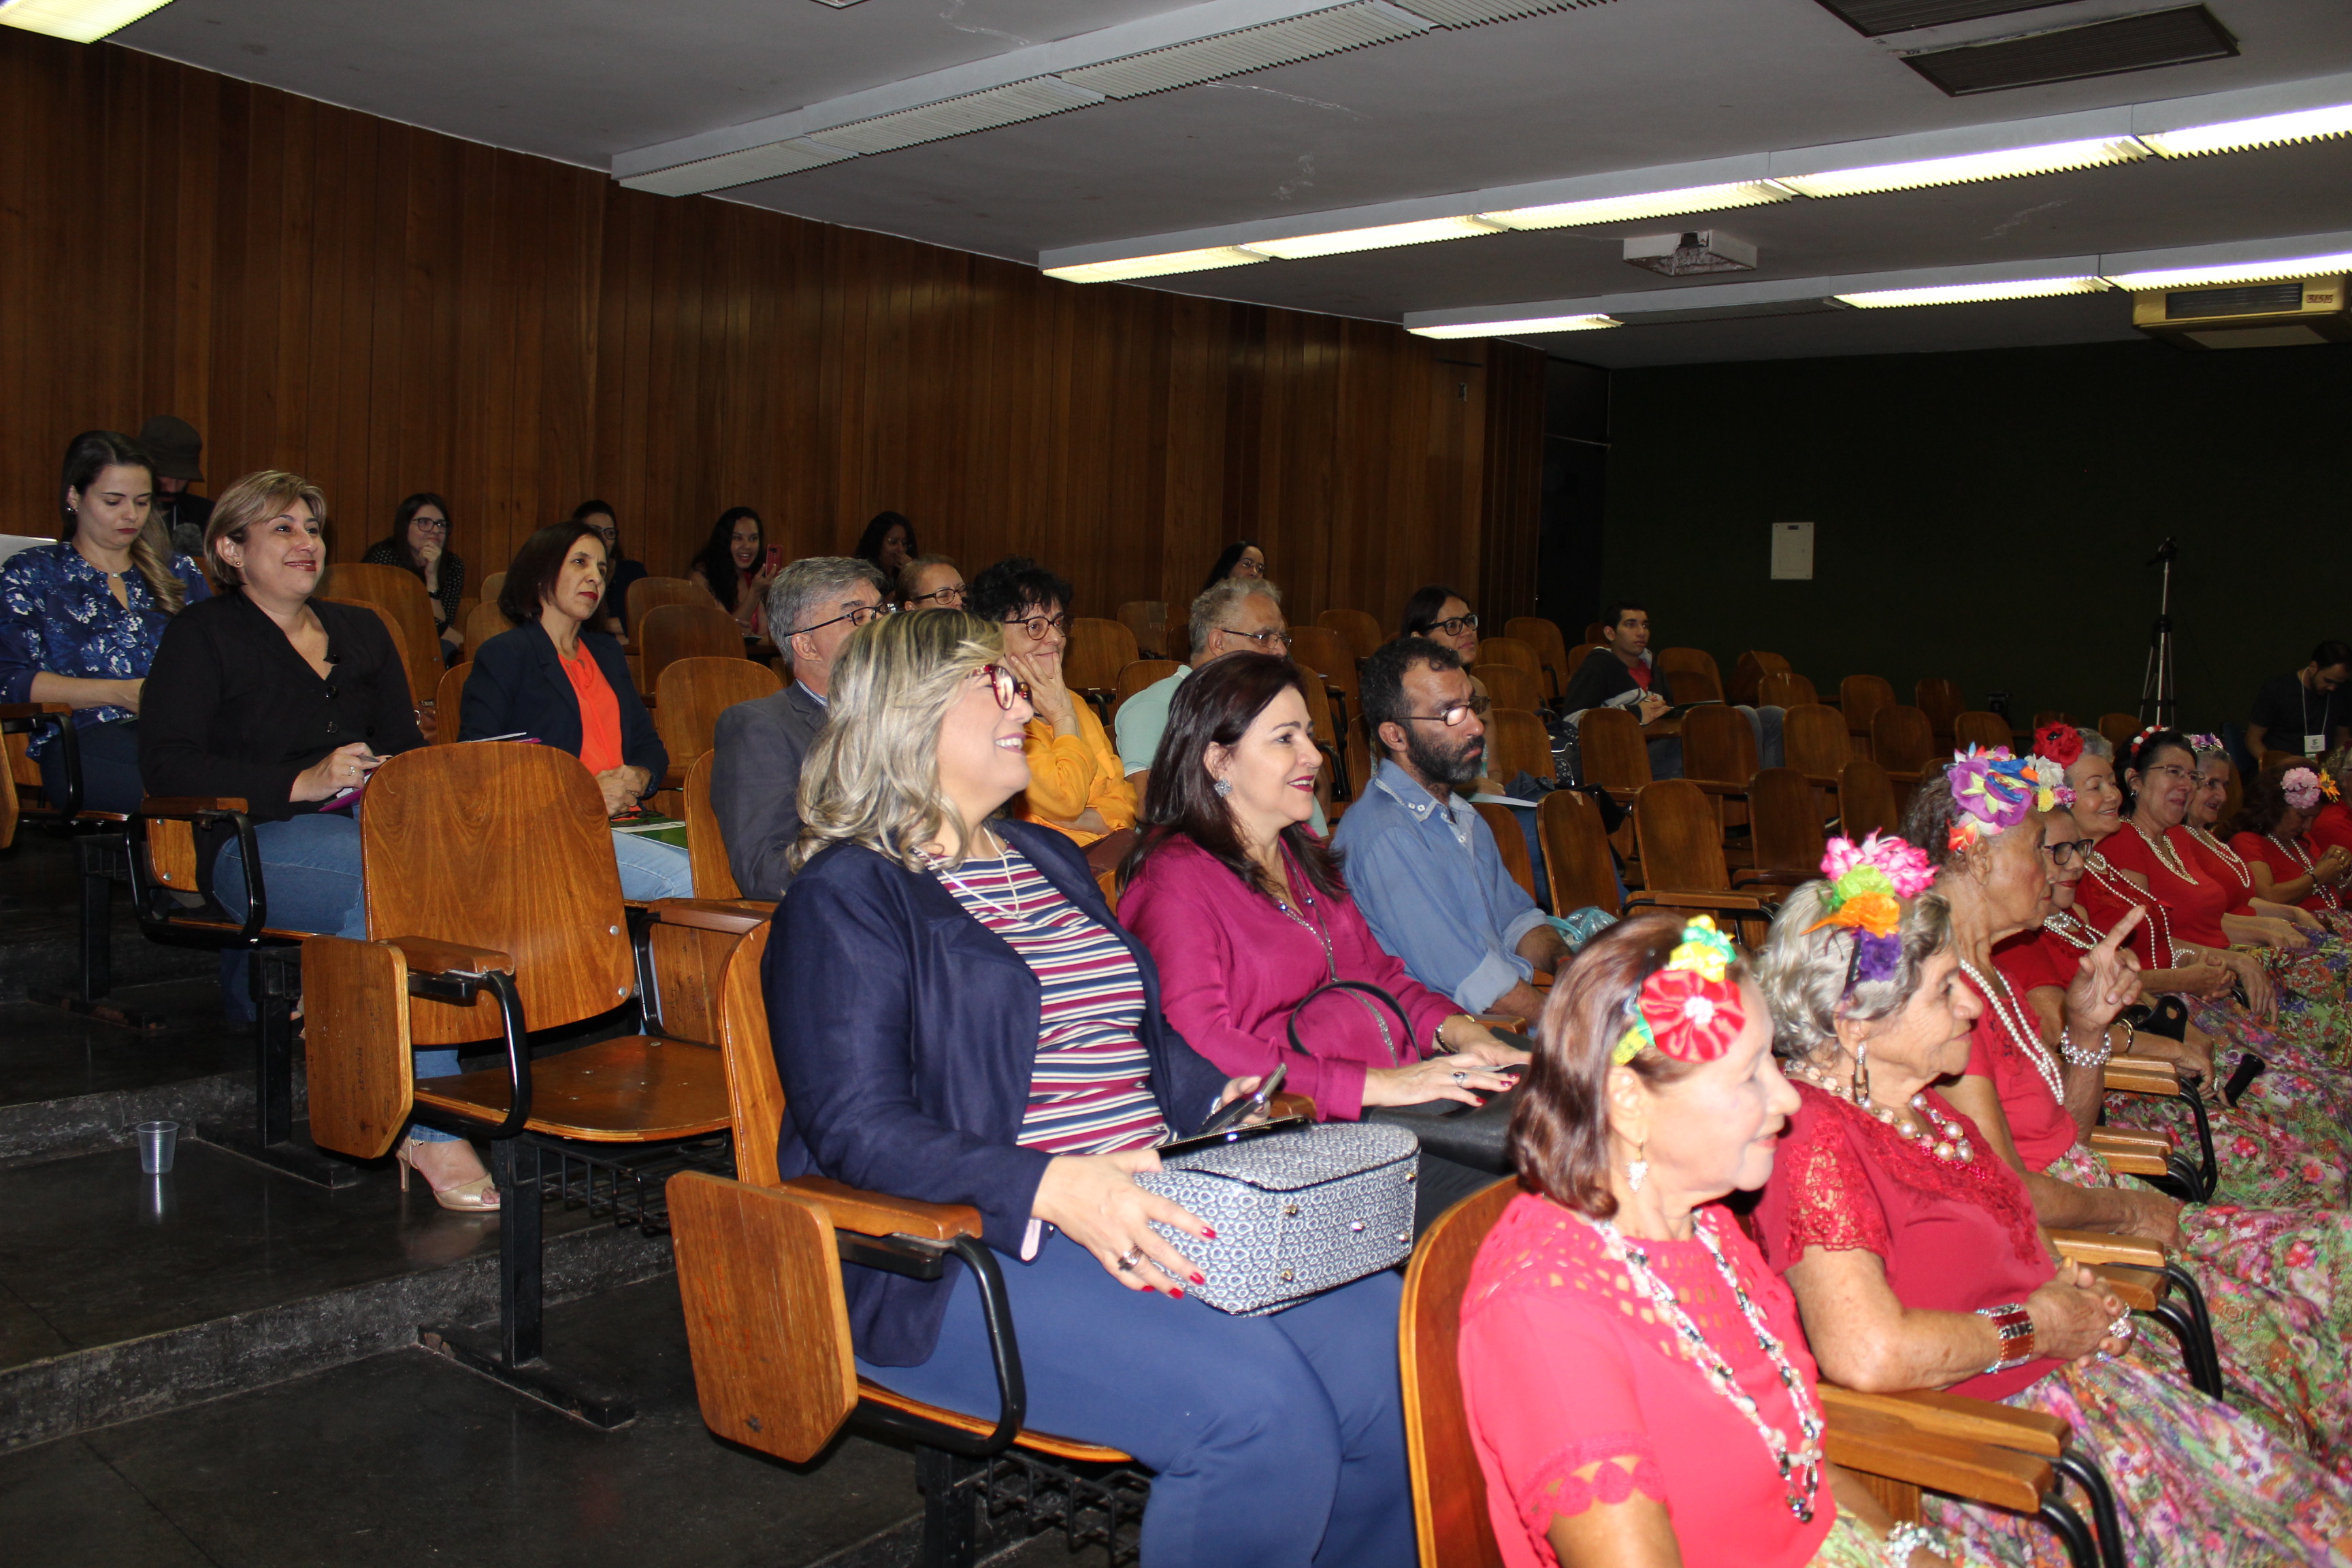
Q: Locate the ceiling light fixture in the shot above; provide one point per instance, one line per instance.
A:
(2263, 130)
(1380, 238)
(1175, 261)
(1656, 203)
(83, 21)
(2234, 272)
(1518, 328)
(2091, 153)
(1968, 293)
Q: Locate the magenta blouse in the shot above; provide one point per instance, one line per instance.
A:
(1232, 965)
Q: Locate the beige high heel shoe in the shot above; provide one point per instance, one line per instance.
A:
(478, 1196)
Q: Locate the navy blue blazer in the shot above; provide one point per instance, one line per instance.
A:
(906, 1032)
(518, 684)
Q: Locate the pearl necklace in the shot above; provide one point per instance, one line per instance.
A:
(2227, 854)
(2074, 930)
(1806, 1463)
(1018, 914)
(2160, 948)
(2166, 855)
(1949, 1141)
(2302, 857)
(2021, 1033)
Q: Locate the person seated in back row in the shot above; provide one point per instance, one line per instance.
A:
(1075, 785)
(1422, 862)
(931, 583)
(755, 777)
(1621, 673)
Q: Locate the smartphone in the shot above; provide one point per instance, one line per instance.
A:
(775, 556)
(1199, 1141)
(1241, 1107)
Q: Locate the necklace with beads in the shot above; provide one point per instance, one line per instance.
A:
(1801, 1470)
(2302, 857)
(2074, 930)
(2166, 855)
(1018, 914)
(2227, 855)
(1995, 991)
(2160, 950)
(1948, 1139)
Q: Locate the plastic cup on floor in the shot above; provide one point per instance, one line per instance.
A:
(158, 1142)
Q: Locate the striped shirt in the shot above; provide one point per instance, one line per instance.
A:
(1089, 1092)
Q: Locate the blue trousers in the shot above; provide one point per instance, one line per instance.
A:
(1277, 1442)
(110, 767)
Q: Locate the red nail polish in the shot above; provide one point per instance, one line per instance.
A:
(1200, 1279)
(1208, 1232)
(1151, 1287)
(1175, 1292)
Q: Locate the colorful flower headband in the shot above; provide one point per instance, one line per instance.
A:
(2062, 743)
(2301, 787)
(2208, 746)
(1994, 791)
(1868, 883)
(1690, 1010)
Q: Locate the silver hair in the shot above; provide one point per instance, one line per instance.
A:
(2096, 745)
(1803, 972)
(812, 581)
(1218, 600)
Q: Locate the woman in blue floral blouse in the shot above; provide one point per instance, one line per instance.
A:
(80, 619)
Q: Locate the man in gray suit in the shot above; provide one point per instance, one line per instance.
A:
(755, 779)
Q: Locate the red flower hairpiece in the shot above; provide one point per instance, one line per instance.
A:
(2062, 743)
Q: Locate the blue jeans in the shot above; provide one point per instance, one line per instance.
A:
(311, 877)
(110, 767)
(1277, 1442)
(651, 869)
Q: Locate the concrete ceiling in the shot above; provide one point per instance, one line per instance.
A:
(1621, 85)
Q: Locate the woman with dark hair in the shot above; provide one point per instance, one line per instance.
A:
(2270, 837)
(419, 542)
(1244, 910)
(732, 565)
(564, 686)
(80, 619)
(1637, 1386)
(1240, 559)
(958, 1019)
(1075, 782)
(887, 544)
(1444, 617)
(612, 615)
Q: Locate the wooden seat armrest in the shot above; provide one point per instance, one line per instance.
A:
(1742, 878)
(1720, 787)
(2132, 1161)
(1878, 1442)
(737, 917)
(1678, 899)
(1287, 1103)
(190, 805)
(2097, 1247)
(2140, 1076)
(2153, 1140)
(1902, 775)
(1622, 795)
(675, 778)
(879, 1213)
(88, 815)
(1958, 1416)
(1823, 781)
(427, 956)
(2141, 1289)
(33, 709)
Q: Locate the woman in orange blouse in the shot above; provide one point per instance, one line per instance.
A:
(1076, 783)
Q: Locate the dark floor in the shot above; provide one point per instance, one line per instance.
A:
(47, 1053)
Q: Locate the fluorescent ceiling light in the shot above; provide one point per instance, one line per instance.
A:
(1516, 329)
(2234, 272)
(1154, 266)
(2265, 131)
(1963, 293)
(1379, 238)
(1968, 167)
(1656, 203)
(83, 21)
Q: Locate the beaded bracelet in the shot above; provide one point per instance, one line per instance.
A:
(1904, 1539)
(2014, 1324)
(2080, 1058)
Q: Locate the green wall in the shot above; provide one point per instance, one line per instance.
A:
(1984, 516)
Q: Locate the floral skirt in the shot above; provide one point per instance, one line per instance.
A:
(2315, 1010)
(2278, 1284)
(2199, 1485)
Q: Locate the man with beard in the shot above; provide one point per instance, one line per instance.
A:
(1421, 861)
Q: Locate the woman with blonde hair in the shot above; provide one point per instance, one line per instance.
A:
(958, 1019)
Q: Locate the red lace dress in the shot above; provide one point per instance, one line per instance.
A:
(1578, 1393)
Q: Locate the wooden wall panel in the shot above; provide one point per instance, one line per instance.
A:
(386, 309)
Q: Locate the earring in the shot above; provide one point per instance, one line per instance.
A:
(1862, 1074)
(1637, 1168)
(1224, 787)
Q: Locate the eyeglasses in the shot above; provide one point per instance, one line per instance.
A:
(1008, 686)
(430, 524)
(1246, 567)
(2063, 854)
(946, 596)
(1456, 626)
(856, 617)
(1038, 626)
(1264, 640)
(2174, 769)
(1454, 717)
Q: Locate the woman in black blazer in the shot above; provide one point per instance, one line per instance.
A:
(552, 679)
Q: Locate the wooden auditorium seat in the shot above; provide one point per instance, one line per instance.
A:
(649, 594)
(1691, 661)
(2056, 716)
(1681, 843)
(1542, 634)
(1508, 686)
(2119, 730)
(705, 847)
(1903, 743)
(1866, 800)
(1982, 730)
(1511, 842)
(1511, 650)
(1576, 658)
(483, 621)
(1321, 648)
(1517, 743)
(1719, 752)
(1137, 675)
(1331, 785)
(400, 595)
(1860, 697)
(1941, 700)
(1814, 739)
(1611, 752)
(422, 676)
(1785, 826)
(1692, 686)
(1096, 651)
(490, 586)
(1577, 862)
(693, 692)
(1785, 689)
(669, 633)
(450, 702)
(1357, 629)
(1748, 676)
(1148, 619)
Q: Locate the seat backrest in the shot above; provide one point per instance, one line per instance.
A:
(667, 633)
(1320, 648)
(1785, 821)
(1595, 631)
(483, 621)
(755, 1090)
(1517, 743)
(502, 846)
(1511, 843)
(1940, 699)
(421, 677)
(1718, 744)
(1610, 748)
(1978, 729)
(1747, 675)
(490, 586)
(1510, 651)
(692, 692)
(647, 593)
(1901, 738)
(1139, 674)
(1813, 739)
(705, 847)
(1543, 635)
(1508, 686)
(1680, 836)
(1691, 658)
(1785, 689)
(1865, 799)
(1449, 1489)
(2119, 728)
(1693, 686)
(450, 702)
(1357, 629)
(400, 595)
(1148, 619)
(1098, 650)
(1860, 697)
(2056, 716)
(1577, 861)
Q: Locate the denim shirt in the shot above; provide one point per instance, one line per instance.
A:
(58, 616)
(1432, 883)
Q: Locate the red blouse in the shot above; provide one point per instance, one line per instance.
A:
(1567, 1368)
(2331, 827)
(2037, 1119)
(2225, 865)
(1954, 1236)
(2286, 864)
(2196, 902)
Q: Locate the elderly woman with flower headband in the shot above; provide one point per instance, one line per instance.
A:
(2225, 861)
(1636, 1385)
(2270, 837)
(1917, 1263)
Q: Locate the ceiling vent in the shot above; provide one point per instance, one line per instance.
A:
(765, 162)
(2152, 38)
(2247, 315)
(1879, 16)
(1689, 253)
(1253, 48)
(1478, 12)
(1007, 105)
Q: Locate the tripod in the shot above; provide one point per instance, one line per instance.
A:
(2156, 688)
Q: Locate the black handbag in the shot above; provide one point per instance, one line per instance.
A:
(1477, 1136)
